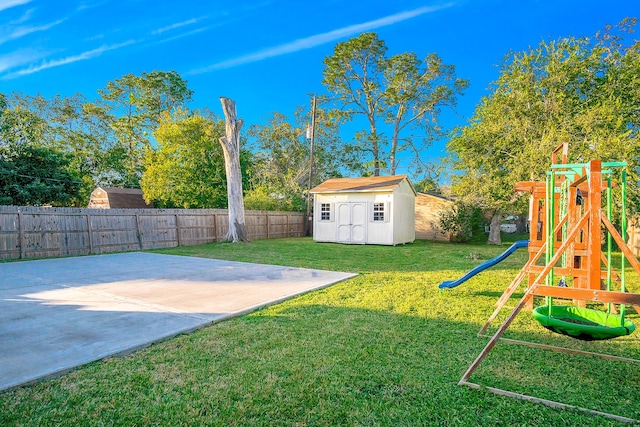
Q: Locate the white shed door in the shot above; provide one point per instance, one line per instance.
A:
(352, 222)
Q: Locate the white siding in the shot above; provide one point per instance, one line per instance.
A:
(404, 214)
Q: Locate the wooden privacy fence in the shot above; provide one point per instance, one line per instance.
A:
(33, 232)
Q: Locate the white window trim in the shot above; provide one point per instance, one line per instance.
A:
(386, 212)
(331, 212)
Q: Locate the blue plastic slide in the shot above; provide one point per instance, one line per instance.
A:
(487, 264)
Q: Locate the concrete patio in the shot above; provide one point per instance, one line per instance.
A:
(58, 314)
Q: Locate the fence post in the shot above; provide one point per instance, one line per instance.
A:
(21, 241)
(90, 234)
(268, 224)
(215, 228)
(288, 230)
(138, 231)
(178, 230)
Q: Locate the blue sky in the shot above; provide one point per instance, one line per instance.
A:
(267, 54)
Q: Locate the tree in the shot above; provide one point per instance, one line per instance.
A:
(23, 120)
(133, 105)
(577, 90)
(31, 175)
(461, 221)
(281, 166)
(415, 92)
(231, 148)
(280, 176)
(187, 167)
(399, 93)
(353, 75)
(80, 129)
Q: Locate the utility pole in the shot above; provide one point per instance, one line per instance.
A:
(311, 133)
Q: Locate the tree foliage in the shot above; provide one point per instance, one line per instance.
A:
(31, 175)
(103, 140)
(281, 167)
(186, 169)
(400, 93)
(580, 90)
(461, 220)
(133, 106)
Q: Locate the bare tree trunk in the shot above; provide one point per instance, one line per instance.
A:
(231, 149)
(494, 229)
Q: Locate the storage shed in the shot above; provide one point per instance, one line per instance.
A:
(373, 210)
(428, 205)
(117, 198)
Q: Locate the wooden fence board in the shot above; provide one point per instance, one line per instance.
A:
(34, 232)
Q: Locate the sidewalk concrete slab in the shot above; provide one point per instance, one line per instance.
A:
(58, 314)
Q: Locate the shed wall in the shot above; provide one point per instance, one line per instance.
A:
(376, 232)
(403, 216)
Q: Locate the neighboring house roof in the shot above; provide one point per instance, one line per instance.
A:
(121, 197)
(360, 185)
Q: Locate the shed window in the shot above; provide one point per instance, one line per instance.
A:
(378, 211)
(325, 211)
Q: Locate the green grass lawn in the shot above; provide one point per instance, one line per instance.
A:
(385, 348)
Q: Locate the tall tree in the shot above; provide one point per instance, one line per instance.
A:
(134, 104)
(231, 148)
(397, 93)
(186, 169)
(579, 90)
(415, 92)
(353, 75)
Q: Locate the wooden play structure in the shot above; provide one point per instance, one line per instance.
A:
(570, 222)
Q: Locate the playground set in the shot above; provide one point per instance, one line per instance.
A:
(568, 214)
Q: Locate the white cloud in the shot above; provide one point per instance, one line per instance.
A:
(24, 18)
(23, 31)
(6, 4)
(182, 35)
(68, 60)
(176, 25)
(18, 58)
(319, 39)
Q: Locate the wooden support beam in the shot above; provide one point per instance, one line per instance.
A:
(511, 289)
(586, 294)
(566, 350)
(622, 244)
(594, 232)
(547, 402)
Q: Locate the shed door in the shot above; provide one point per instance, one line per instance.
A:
(352, 222)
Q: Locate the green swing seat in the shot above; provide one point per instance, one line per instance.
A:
(582, 323)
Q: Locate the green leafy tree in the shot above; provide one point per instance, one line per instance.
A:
(23, 120)
(31, 175)
(579, 90)
(400, 93)
(78, 128)
(281, 168)
(462, 221)
(133, 104)
(186, 169)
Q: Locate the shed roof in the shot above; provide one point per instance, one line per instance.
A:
(125, 198)
(359, 185)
